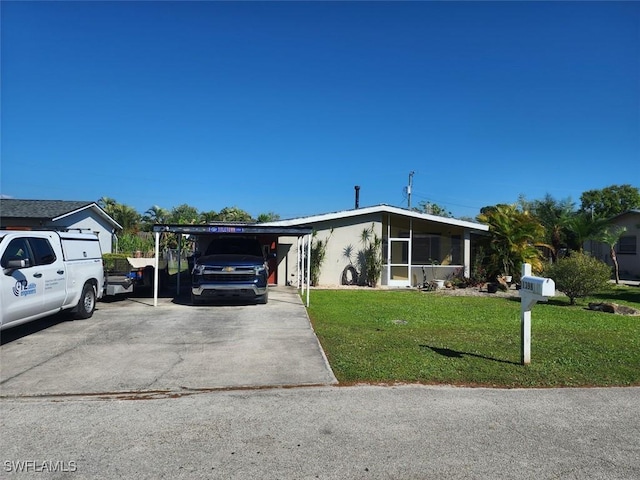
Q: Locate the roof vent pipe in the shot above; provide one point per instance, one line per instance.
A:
(357, 187)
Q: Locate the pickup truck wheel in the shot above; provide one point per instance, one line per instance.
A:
(87, 303)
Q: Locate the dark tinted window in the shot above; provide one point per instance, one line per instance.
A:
(234, 246)
(18, 249)
(42, 250)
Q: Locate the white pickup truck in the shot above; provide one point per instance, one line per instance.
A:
(44, 272)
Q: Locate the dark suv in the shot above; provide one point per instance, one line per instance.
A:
(232, 268)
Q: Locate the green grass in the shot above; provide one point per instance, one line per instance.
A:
(386, 336)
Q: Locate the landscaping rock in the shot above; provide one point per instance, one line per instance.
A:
(613, 308)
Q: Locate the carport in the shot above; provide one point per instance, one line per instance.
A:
(302, 233)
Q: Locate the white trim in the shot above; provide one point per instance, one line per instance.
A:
(310, 238)
(93, 206)
(378, 209)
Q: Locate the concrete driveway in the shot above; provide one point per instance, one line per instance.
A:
(130, 346)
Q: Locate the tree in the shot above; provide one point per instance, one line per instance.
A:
(126, 216)
(514, 238)
(107, 204)
(555, 216)
(268, 217)
(583, 226)
(610, 236)
(610, 201)
(184, 214)
(234, 214)
(154, 215)
(433, 209)
(579, 275)
(208, 217)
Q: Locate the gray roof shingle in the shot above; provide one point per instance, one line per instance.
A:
(47, 209)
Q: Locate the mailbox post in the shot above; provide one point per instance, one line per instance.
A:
(532, 290)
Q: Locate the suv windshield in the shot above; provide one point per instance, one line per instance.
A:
(234, 246)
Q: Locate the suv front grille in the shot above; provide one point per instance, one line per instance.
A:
(229, 277)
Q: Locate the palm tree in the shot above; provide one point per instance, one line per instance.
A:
(582, 227)
(208, 217)
(515, 236)
(234, 214)
(268, 217)
(610, 236)
(127, 217)
(155, 215)
(108, 205)
(554, 217)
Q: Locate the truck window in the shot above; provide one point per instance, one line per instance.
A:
(44, 254)
(234, 246)
(18, 249)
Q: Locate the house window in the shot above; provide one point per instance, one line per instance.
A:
(627, 245)
(456, 250)
(425, 248)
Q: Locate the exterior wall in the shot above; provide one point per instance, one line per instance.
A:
(450, 244)
(287, 260)
(629, 264)
(341, 234)
(85, 221)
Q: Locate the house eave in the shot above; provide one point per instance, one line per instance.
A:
(92, 206)
(309, 220)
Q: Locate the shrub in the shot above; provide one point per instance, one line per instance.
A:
(318, 252)
(579, 275)
(115, 262)
(129, 243)
(370, 257)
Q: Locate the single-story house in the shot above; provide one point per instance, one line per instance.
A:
(627, 249)
(413, 245)
(59, 215)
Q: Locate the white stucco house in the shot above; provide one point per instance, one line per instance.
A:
(410, 241)
(59, 215)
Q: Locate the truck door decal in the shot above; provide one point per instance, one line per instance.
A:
(22, 288)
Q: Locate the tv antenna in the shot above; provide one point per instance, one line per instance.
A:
(411, 174)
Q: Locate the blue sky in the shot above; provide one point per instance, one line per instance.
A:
(285, 106)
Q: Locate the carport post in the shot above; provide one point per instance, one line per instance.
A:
(308, 267)
(155, 270)
(299, 273)
(179, 255)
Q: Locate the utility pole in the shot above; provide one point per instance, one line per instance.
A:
(409, 189)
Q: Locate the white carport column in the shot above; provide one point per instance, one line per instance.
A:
(308, 266)
(466, 253)
(299, 275)
(155, 270)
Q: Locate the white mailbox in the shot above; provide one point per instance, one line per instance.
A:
(532, 290)
(545, 287)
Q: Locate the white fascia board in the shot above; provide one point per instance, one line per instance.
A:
(378, 209)
(92, 206)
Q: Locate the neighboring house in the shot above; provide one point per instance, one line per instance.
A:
(627, 248)
(59, 215)
(410, 241)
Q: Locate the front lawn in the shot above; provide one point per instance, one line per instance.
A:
(407, 336)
